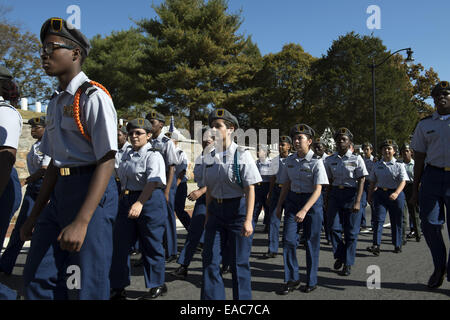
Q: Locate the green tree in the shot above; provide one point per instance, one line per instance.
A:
(340, 94)
(19, 53)
(282, 81)
(114, 61)
(194, 58)
(423, 83)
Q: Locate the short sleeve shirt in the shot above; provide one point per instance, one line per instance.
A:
(388, 174)
(167, 149)
(304, 173)
(10, 125)
(62, 139)
(344, 171)
(432, 136)
(137, 168)
(219, 175)
(36, 159)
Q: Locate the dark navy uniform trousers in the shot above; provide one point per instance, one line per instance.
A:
(274, 222)
(226, 220)
(9, 257)
(9, 204)
(170, 234)
(195, 233)
(312, 226)
(148, 228)
(341, 219)
(180, 203)
(47, 268)
(434, 195)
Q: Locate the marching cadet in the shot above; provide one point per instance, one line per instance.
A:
(230, 175)
(10, 190)
(430, 143)
(369, 161)
(408, 161)
(73, 232)
(37, 163)
(319, 148)
(196, 228)
(181, 193)
(123, 145)
(278, 164)
(167, 148)
(302, 181)
(262, 189)
(387, 180)
(346, 173)
(142, 214)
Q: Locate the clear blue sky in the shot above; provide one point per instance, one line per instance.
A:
(421, 25)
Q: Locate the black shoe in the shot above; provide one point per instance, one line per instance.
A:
(436, 279)
(225, 270)
(398, 249)
(288, 287)
(374, 249)
(180, 273)
(337, 264)
(139, 263)
(266, 229)
(269, 255)
(404, 242)
(411, 235)
(346, 271)
(172, 258)
(307, 289)
(418, 239)
(155, 293)
(118, 294)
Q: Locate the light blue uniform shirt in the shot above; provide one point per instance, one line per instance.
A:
(167, 149)
(388, 174)
(198, 171)
(119, 156)
(182, 164)
(432, 136)
(409, 167)
(219, 175)
(369, 165)
(344, 171)
(265, 169)
(304, 173)
(10, 125)
(36, 159)
(63, 141)
(137, 168)
(279, 164)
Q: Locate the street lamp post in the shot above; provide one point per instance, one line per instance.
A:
(408, 61)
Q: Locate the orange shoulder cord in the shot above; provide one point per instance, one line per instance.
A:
(76, 108)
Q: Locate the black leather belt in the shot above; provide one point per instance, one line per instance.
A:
(76, 171)
(386, 189)
(226, 200)
(343, 187)
(438, 168)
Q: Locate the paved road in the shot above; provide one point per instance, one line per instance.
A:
(403, 276)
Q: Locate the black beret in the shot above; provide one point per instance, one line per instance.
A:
(5, 74)
(286, 139)
(367, 144)
(389, 142)
(156, 116)
(405, 146)
(139, 123)
(318, 140)
(302, 129)
(38, 121)
(62, 28)
(122, 128)
(441, 86)
(343, 131)
(223, 114)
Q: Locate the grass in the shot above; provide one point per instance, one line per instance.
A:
(27, 114)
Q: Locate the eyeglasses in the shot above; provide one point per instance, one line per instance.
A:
(136, 133)
(50, 47)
